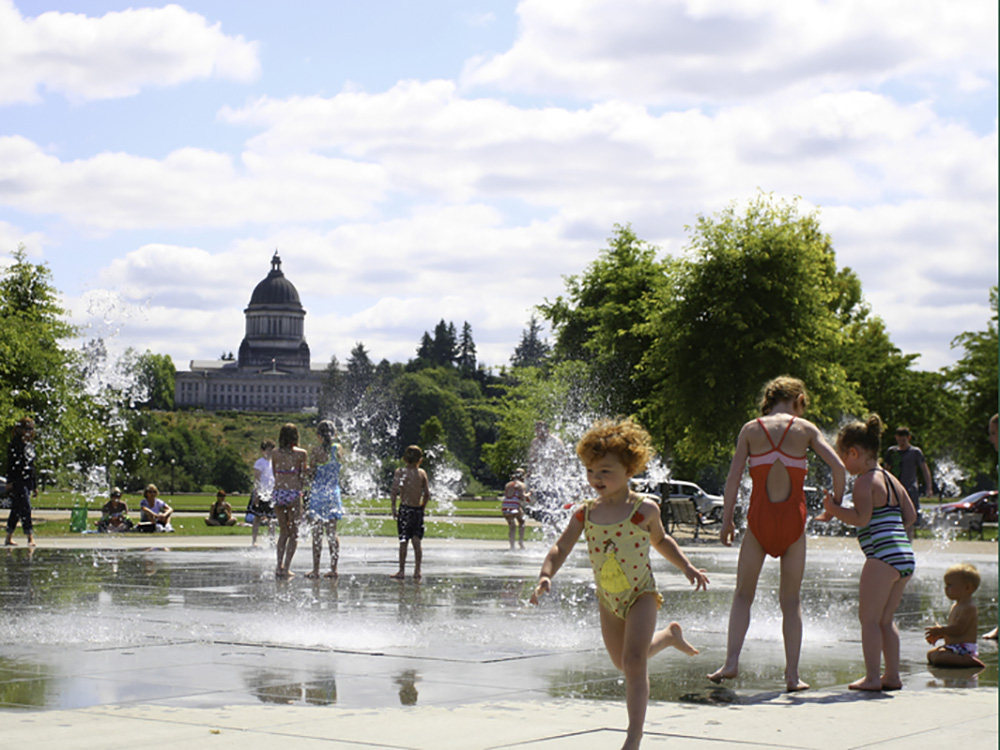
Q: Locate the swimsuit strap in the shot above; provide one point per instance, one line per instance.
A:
(889, 488)
(778, 446)
(767, 434)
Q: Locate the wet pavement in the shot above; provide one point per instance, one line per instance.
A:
(130, 626)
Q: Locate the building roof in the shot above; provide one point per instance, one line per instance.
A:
(275, 289)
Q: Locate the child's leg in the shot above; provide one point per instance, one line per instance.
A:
(751, 560)
(640, 624)
(281, 513)
(942, 657)
(520, 531)
(418, 557)
(877, 581)
(317, 547)
(401, 573)
(891, 679)
(334, 541)
(793, 564)
(510, 530)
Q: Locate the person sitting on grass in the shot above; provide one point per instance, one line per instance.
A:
(221, 513)
(153, 510)
(114, 514)
(959, 635)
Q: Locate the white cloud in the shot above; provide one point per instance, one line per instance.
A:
(671, 51)
(117, 55)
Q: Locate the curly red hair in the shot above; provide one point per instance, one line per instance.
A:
(624, 438)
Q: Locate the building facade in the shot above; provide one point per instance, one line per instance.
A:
(272, 372)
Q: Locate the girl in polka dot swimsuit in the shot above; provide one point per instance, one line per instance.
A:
(621, 527)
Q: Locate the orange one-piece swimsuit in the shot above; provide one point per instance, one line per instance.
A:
(777, 526)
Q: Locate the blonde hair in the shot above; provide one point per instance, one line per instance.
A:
(412, 454)
(866, 436)
(781, 388)
(965, 572)
(623, 438)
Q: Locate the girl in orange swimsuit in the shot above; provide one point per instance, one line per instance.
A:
(774, 446)
(621, 527)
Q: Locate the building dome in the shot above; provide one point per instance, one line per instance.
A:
(275, 289)
(275, 336)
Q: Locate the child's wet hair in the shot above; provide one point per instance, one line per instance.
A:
(266, 444)
(327, 432)
(865, 436)
(624, 438)
(412, 454)
(781, 388)
(288, 435)
(966, 572)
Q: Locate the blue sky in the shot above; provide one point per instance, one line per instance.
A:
(413, 161)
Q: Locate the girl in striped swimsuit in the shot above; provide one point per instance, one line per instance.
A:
(882, 512)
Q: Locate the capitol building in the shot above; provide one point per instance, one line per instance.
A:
(272, 372)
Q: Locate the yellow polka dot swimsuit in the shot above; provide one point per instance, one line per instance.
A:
(619, 555)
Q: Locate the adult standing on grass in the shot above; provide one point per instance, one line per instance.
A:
(290, 465)
(21, 480)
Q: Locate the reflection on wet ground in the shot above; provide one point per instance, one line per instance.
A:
(204, 628)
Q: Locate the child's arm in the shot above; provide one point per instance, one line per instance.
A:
(668, 547)
(728, 531)
(906, 506)
(829, 456)
(394, 492)
(426, 489)
(962, 624)
(558, 554)
(861, 513)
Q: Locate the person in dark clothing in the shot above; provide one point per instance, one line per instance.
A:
(21, 479)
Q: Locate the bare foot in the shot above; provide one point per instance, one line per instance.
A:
(872, 686)
(331, 574)
(888, 685)
(10, 543)
(31, 542)
(723, 673)
(796, 685)
(398, 576)
(417, 576)
(312, 574)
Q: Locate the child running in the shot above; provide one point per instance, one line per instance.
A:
(959, 635)
(775, 446)
(620, 527)
(883, 511)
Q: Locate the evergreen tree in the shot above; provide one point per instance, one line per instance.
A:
(444, 350)
(532, 351)
(425, 352)
(332, 390)
(467, 351)
(360, 374)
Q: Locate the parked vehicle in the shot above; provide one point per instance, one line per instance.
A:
(710, 506)
(982, 503)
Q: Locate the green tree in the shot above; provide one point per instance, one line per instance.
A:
(360, 374)
(757, 296)
(974, 380)
(604, 315)
(332, 390)
(155, 375)
(466, 352)
(532, 350)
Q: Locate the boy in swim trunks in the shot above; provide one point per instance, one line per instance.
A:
(621, 527)
(410, 486)
(959, 635)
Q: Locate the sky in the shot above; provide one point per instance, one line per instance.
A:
(413, 161)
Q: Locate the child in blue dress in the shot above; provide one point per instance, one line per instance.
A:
(325, 507)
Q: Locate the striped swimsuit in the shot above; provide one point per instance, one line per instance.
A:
(884, 538)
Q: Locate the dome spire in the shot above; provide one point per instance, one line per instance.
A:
(276, 262)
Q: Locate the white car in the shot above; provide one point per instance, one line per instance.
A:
(710, 506)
